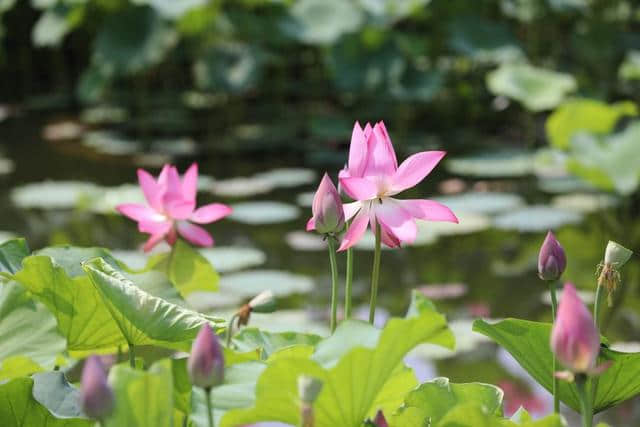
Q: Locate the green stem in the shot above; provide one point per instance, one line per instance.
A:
(554, 309)
(230, 329)
(348, 284)
(597, 307)
(207, 393)
(585, 401)
(334, 282)
(132, 356)
(375, 275)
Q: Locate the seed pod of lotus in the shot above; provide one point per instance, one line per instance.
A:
(96, 396)
(616, 254)
(206, 362)
(264, 302)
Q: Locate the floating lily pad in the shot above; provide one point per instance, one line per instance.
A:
(172, 9)
(6, 235)
(536, 218)
(251, 283)
(241, 187)
(232, 258)
(214, 301)
(536, 88)
(564, 184)
(6, 166)
(445, 291)
(469, 222)
(305, 241)
(106, 200)
(63, 130)
(482, 202)
(287, 321)
(626, 347)
(175, 147)
(52, 194)
(104, 114)
(266, 212)
(305, 199)
(288, 177)
(484, 40)
(112, 143)
(507, 163)
(323, 21)
(585, 202)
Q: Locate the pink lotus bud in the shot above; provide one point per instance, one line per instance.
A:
(380, 420)
(551, 259)
(96, 396)
(206, 362)
(328, 213)
(574, 338)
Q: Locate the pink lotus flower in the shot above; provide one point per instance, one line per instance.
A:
(327, 209)
(574, 338)
(373, 176)
(172, 208)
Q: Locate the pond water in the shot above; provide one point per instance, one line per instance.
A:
(483, 267)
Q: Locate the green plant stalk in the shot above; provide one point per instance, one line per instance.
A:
(207, 393)
(597, 319)
(348, 284)
(375, 275)
(230, 329)
(585, 400)
(554, 309)
(132, 356)
(334, 282)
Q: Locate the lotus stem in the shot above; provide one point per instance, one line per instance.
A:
(597, 307)
(132, 356)
(554, 309)
(207, 393)
(375, 275)
(585, 401)
(334, 282)
(348, 284)
(230, 329)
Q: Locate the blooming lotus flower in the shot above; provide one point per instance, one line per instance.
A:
(372, 177)
(551, 259)
(172, 209)
(206, 362)
(327, 209)
(96, 396)
(574, 338)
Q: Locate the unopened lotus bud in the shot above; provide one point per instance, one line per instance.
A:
(615, 256)
(206, 362)
(96, 396)
(574, 338)
(551, 259)
(264, 302)
(380, 420)
(327, 209)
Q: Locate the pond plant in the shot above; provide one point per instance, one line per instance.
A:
(91, 309)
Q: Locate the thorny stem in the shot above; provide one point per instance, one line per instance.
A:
(375, 275)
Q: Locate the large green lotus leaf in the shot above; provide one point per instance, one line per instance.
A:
(28, 333)
(132, 40)
(268, 342)
(19, 408)
(505, 163)
(181, 386)
(263, 212)
(229, 67)
(172, 9)
(187, 269)
(483, 40)
(471, 414)
(143, 398)
(609, 164)
(354, 384)
(12, 252)
(53, 391)
(432, 400)
(535, 88)
(586, 115)
(143, 318)
(528, 343)
(390, 11)
(81, 316)
(536, 218)
(323, 21)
